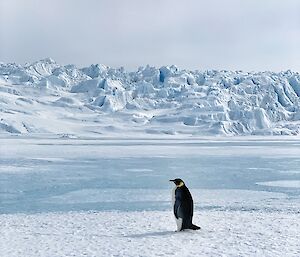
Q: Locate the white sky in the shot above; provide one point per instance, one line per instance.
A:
(193, 34)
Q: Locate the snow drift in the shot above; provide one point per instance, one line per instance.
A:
(45, 97)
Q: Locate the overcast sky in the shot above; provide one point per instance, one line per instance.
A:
(193, 34)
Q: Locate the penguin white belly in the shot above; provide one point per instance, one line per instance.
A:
(179, 224)
(179, 220)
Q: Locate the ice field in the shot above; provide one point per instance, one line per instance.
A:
(65, 196)
(98, 100)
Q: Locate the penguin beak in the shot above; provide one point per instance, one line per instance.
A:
(171, 180)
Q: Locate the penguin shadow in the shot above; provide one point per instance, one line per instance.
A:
(151, 234)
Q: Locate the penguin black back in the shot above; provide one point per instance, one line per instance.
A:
(183, 206)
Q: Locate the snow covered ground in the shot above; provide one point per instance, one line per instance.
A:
(105, 196)
(150, 233)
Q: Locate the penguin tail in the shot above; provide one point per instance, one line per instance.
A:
(194, 227)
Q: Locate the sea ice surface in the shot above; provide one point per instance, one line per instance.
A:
(63, 196)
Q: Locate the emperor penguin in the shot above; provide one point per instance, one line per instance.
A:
(183, 206)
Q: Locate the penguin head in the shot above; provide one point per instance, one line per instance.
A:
(178, 182)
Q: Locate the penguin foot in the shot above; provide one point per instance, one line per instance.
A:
(194, 227)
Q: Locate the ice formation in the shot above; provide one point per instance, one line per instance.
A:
(45, 97)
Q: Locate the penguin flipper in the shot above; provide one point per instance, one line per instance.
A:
(177, 204)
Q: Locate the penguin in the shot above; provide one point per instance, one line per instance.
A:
(183, 206)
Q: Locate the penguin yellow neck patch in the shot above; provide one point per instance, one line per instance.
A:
(181, 184)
